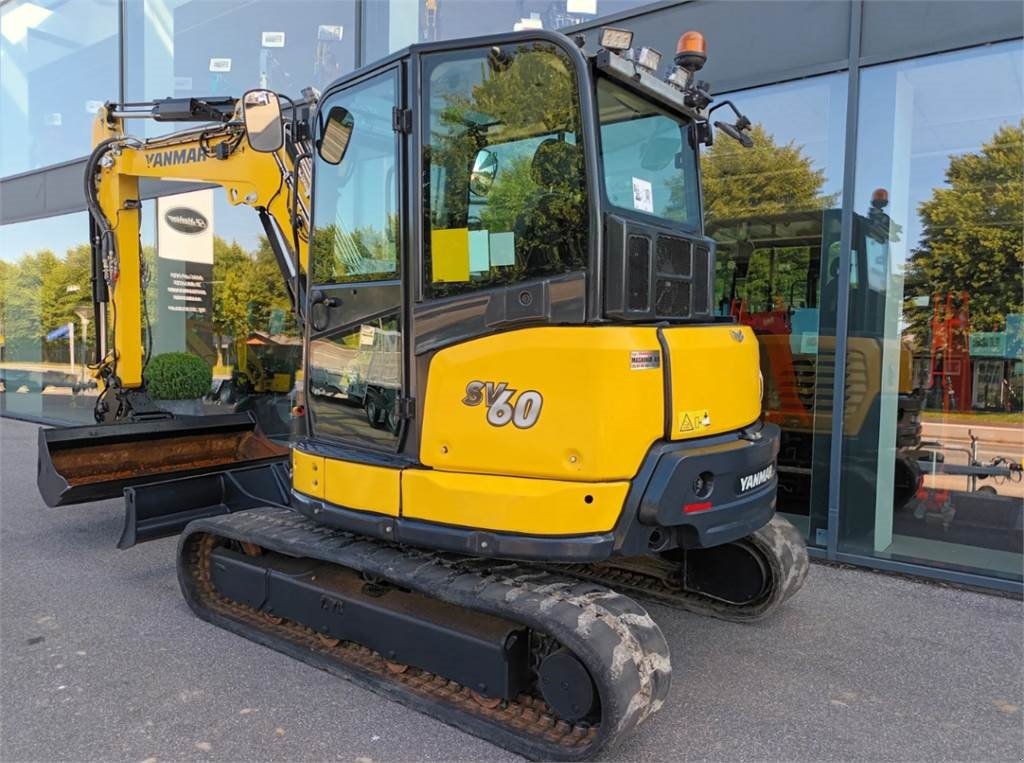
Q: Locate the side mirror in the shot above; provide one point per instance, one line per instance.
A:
(336, 135)
(261, 112)
(736, 133)
(485, 169)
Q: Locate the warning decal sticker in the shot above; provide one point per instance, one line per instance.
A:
(694, 421)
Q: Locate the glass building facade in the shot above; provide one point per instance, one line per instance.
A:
(872, 238)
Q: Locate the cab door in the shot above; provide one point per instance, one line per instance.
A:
(354, 362)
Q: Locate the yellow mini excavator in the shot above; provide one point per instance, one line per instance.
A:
(519, 406)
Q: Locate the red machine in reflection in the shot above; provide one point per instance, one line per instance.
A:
(950, 372)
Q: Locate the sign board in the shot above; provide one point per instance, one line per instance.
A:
(59, 333)
(988, 344)
(184, 271)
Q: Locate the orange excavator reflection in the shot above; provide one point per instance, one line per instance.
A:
(784, 285)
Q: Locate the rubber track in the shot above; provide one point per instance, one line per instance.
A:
(779, 545)
(614, 637)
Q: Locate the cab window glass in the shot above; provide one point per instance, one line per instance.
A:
(356, 213)
(649, 165)
(504, 176)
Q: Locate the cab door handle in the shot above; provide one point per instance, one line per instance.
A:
(319, 297)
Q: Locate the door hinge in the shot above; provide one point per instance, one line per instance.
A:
(406, 407)
(401, 120)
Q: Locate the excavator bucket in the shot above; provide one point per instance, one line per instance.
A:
(92, 463)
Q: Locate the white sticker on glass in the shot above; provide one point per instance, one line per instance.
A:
(502, 249)
(643, 195)
(273, 39)
(330, 32)
(524, 24)
(220, 64)
(581, 6)
(479, 251)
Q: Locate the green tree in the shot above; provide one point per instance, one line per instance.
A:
(39, 293)
(510, 195)
(522, 94)
(767, 179)
(973, 239)
(5, 275)
(367, 251)
(24, 322)
(247, 287)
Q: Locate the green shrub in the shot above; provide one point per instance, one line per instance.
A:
(178, 376)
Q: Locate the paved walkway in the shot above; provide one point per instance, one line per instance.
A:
(101, 660)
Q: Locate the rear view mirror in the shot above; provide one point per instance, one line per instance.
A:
(336, 135)
(485, 169)
(261, 112)
(736, 133)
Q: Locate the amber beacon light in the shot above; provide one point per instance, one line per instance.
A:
(691, 51)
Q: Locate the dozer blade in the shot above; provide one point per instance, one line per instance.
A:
(92, 463)
(159, 509)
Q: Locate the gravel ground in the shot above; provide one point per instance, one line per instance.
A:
(100, 659)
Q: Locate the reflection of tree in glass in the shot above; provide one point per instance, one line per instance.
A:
(766, 291)
(523, 96)
(973, 238)
(509, 195)
(247, 288)
(39, 293)
(766, 179)
(365, 251)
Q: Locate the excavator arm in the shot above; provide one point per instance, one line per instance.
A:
(276, 184)
(172, 468)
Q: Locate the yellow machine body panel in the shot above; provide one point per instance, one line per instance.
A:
(512, 504)
(540, 431)
(716, 383)
(565, 403)
(308, 473)
(364, 487)
(346, 483)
